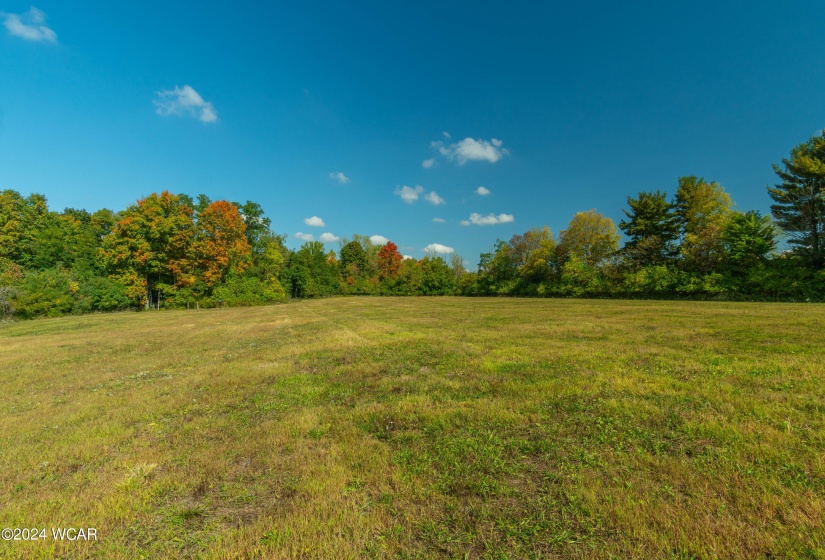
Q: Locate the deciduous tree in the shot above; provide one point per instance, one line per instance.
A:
(389, 261)
(590, 236)
(220, 244)
(20, 220)
(702, 210)
(353, 260)
(151, 245)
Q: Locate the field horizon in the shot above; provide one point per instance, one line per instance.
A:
(419, 427)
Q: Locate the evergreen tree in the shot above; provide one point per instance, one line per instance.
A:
(652, 227)
(800, 199)
(748, 238)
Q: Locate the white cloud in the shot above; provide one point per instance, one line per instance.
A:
(438, 220)
(446, 135)
(314, 221)
(328, 238)
(481, 191)
(304, 236)
(409, 194)
(379, 240)
(488, 220)
(405, 257)
(470, 149)
(433, 198)
(185, 101)
(427, 163)
(29, 26)
(438, 249)
(340, 177)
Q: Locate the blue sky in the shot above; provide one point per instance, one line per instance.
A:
(553, 108)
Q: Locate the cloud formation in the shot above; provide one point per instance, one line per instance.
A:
(304, 236)
(438, 220)
(438, 249)
(379, 240)
(185, 101)
(29, 26)
(481, 191)
(409, 194)
(471, 149)
(427, 163)
(433, 198)
(340, 177)
(328, 238)
(314, 221)
(488, 220)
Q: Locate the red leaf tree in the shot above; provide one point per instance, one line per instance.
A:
(389, 260)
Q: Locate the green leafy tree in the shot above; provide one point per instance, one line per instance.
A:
(20, 220)
(70, 239)
(533, 255)
(497, 270)
(257, 225)
(243, 289)
(49, 292)
(799, 207)
(748, 239)
(409, 279)
(354, 261)
(590, 237)
(652, 227)
(702, 209)
(436, 277)
(311, 273)
(578, 279)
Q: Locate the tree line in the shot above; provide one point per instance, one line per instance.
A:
(172, 251)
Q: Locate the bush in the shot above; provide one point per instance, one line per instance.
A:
(7, 295)
(46, 293)
(240, 290)
(101, 294)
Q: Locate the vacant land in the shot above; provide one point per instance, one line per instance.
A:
(419, 428)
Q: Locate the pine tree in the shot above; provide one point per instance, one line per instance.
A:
(800, 199)
(652, 227)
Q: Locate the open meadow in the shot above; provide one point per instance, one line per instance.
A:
(376, 427)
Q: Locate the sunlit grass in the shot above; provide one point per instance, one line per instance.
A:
(419, 428)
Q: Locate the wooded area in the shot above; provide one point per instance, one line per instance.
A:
(173, 251)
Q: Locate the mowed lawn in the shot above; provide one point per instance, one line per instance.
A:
(419, 428)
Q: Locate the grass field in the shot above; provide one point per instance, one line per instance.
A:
(419, 428)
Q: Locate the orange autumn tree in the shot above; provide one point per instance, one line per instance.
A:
(148, 248)
(389, 260)
(220, 245)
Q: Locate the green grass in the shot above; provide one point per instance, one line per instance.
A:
(419, 428)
